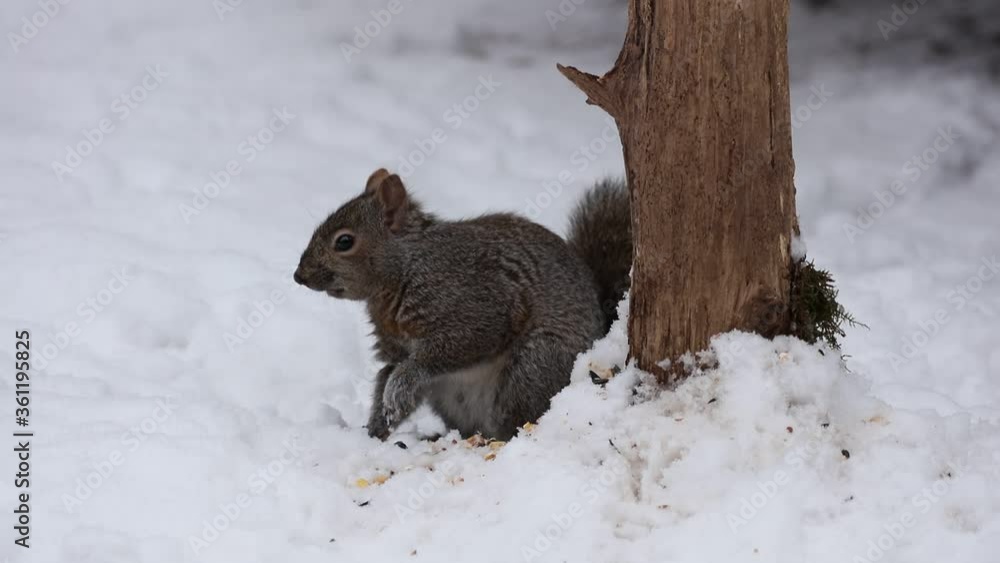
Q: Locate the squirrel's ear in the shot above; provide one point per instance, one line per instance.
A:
(391, 195)
(375, 179)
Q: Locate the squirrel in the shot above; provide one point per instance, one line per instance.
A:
(482, 318)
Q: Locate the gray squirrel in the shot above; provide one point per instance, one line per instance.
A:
(482, 318)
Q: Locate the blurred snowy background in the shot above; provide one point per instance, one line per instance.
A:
(164, 163)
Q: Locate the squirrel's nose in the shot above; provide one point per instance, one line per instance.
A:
(298, 277)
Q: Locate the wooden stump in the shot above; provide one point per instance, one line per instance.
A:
(700, 95)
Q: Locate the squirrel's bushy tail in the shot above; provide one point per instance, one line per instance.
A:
(601, 232)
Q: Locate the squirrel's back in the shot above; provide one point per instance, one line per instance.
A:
(505, 263)
(502, 247)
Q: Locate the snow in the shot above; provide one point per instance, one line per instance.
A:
(191, 403)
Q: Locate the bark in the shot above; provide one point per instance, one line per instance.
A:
(700, 96)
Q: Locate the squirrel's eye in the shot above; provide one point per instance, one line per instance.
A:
(343, 243)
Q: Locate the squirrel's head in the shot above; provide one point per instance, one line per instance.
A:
(343, 254)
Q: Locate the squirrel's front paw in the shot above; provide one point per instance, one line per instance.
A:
(399, 399)
(378, 426)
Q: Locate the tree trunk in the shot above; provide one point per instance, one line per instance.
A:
(700, 96)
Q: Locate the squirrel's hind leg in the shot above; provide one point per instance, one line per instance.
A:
(538, 368)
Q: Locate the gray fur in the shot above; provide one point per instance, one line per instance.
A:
(483, 318)
(601, 232)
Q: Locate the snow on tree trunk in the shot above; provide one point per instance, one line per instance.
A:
(700, 95)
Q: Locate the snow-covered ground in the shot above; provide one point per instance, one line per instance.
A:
(164, 163)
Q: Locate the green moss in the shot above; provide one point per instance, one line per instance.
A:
(816, 314)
